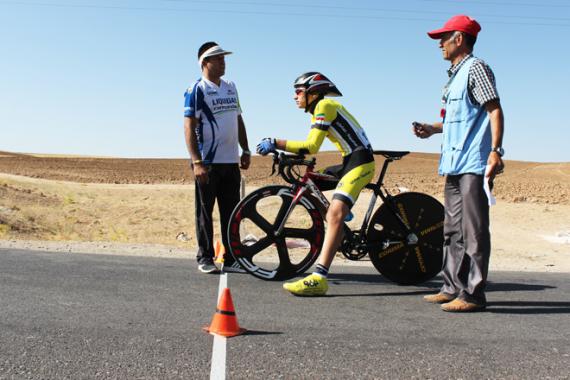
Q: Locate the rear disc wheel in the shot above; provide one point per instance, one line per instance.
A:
(408, 257)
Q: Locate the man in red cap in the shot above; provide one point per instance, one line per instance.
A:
(471, 155)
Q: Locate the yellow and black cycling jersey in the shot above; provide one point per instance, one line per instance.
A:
(331, 120)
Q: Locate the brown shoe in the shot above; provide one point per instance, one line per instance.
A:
(439, 298)
(461, 306)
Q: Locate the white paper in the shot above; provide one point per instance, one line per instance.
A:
(487, 188)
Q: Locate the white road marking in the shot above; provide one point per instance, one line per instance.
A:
(218, 370)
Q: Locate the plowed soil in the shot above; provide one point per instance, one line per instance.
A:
(532, 182)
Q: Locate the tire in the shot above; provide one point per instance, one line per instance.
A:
(252, 240)
(396, 255)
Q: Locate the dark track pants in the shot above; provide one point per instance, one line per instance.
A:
(467, 240)
(223, 186)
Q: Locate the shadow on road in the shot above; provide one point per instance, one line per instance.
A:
(434, 284)
(259, 332)
(369, 279)
(511, 287)
(528, 307)
(376, 279)
(386, 294)
(340, 278)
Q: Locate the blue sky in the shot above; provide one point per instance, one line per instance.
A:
(107, 78)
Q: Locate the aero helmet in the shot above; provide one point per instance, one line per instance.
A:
(316, 83)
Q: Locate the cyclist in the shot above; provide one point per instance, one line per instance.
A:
(331, 120)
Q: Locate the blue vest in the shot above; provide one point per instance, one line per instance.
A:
(466, 129)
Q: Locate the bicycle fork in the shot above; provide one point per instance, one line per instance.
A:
(294, 202)
(297, 198)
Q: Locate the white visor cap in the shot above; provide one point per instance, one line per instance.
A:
(214, 50)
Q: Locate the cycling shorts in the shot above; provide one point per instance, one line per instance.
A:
(352, 183)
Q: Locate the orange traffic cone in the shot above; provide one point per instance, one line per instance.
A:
(219, 251)
(225, 322)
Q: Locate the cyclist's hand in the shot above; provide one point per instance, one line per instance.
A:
(422, 130)
(266, 146)
(200, 173)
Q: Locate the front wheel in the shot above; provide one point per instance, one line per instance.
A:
(255, 243)
(413, 254)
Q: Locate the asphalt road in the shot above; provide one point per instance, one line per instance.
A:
(77, 316)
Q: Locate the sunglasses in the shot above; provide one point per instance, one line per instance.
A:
(299, 91)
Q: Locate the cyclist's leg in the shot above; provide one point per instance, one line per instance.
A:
(336, 213)
(345, 195)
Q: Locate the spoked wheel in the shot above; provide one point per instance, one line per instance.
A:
(255, 244)
(407, 257)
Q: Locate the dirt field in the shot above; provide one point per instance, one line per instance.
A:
(138, 206)
(547, 183)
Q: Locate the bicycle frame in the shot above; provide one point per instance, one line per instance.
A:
(307, 184)
(377, 189)
(403, 235)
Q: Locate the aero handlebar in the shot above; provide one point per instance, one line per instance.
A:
(288, 166)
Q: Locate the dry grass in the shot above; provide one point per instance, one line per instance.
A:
(54, 210)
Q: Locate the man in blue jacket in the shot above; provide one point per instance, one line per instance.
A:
(471, 155)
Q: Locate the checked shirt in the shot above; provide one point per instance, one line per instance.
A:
(481, 87)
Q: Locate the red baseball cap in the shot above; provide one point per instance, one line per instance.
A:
(461, 23)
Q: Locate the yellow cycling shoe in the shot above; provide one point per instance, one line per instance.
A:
(312, 285)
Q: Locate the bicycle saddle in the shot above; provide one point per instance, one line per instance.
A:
(394, 155)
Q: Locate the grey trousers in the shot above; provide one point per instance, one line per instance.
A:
(467, 240)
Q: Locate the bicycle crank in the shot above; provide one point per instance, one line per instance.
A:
(354, 245)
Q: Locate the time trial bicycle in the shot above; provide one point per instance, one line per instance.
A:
(403, 238)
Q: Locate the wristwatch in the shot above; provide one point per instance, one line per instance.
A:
(499, 150)
(246, 152)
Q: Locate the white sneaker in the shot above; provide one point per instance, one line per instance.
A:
(207, 267)
(233, 268)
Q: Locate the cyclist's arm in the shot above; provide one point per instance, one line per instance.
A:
(324, 115)
(311, 145)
